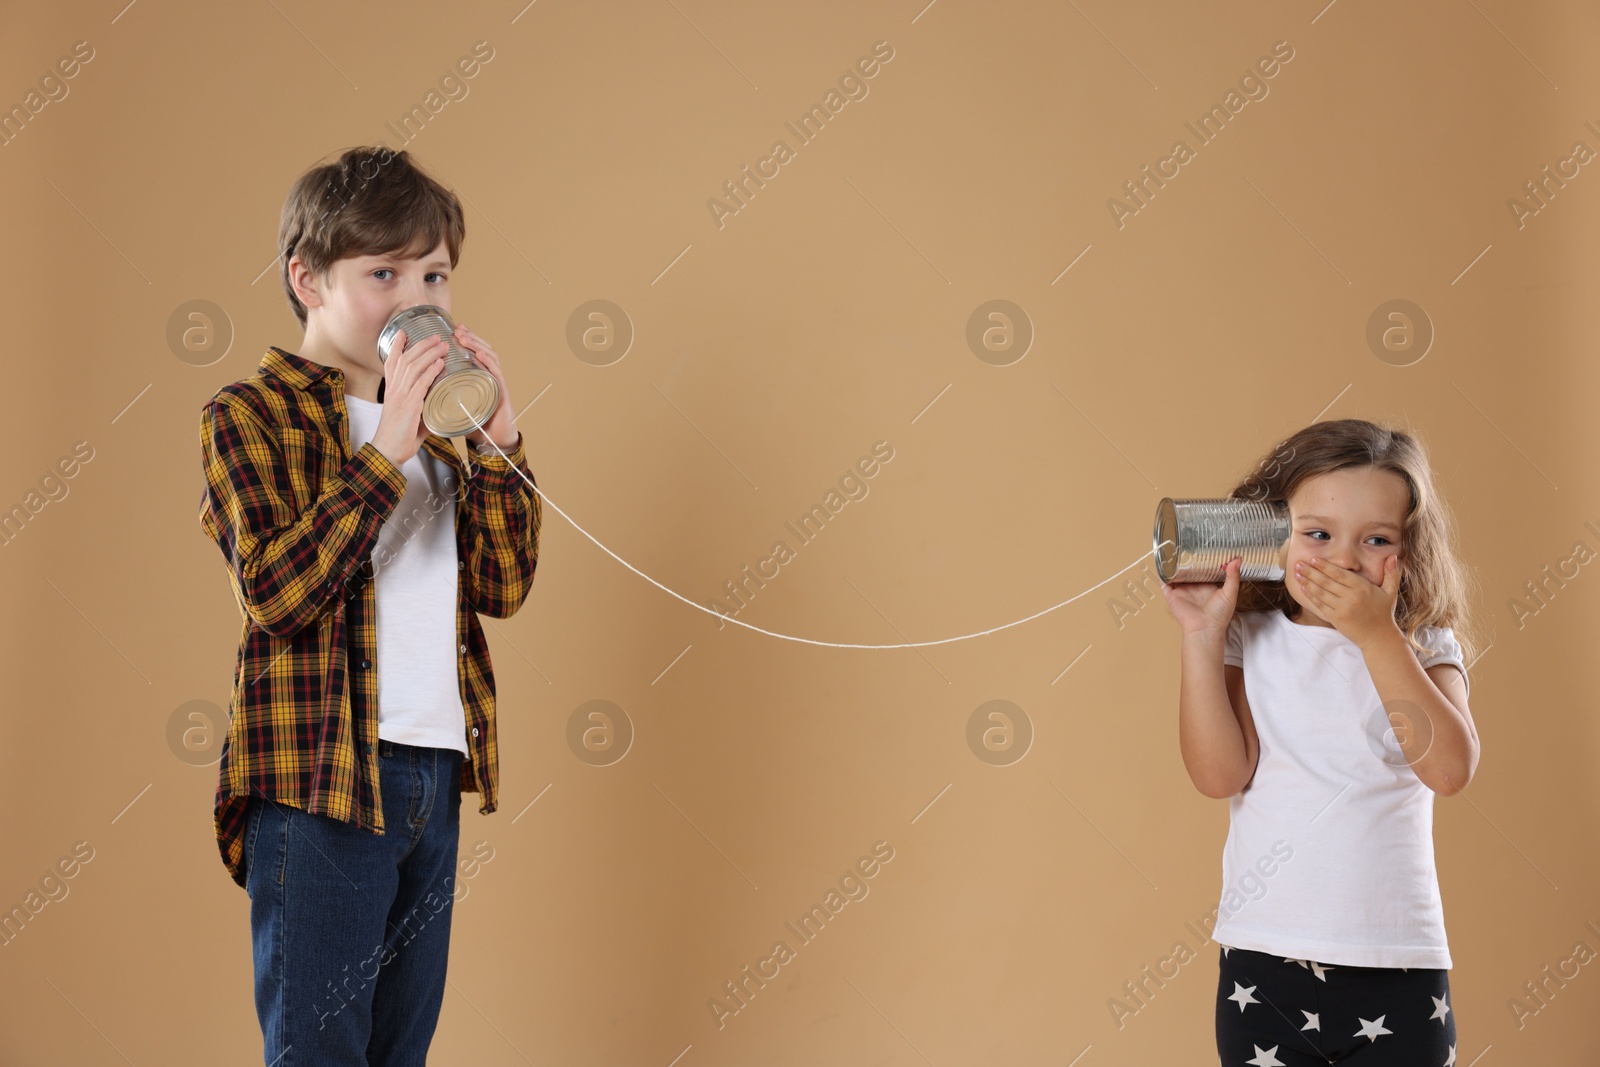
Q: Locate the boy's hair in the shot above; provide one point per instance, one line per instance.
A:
(370, 201)
(1434, 583)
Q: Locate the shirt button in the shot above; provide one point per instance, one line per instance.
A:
(461, 564)
(463, 648)
(366, 664)
(474, 731)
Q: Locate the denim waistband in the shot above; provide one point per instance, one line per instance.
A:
(397, 748)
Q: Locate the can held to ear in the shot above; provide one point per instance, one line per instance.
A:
(1195, 538)
(460, 384)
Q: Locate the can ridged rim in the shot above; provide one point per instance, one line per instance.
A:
(402, 320)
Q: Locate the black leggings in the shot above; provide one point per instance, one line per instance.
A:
(1295, 1013)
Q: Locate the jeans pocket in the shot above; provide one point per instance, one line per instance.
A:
(252, 820)
(273, 851)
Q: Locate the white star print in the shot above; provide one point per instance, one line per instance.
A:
(1440, 1007)
(1312, 965)
(1313, 1020)
(1451, 1061)
(1265, 1057)
(1242, 995)
(1370, 1029)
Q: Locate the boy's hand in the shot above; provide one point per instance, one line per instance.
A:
(1357, 608)
(408, 374)
(499, 428)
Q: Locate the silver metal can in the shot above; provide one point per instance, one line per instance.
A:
(1194, 539)
(460, 384)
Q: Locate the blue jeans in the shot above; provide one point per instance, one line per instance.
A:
(351, 930)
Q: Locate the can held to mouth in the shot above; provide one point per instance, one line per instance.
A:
(461, 384)
(1193, 539)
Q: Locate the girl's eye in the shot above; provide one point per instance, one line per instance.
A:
(1313, 534)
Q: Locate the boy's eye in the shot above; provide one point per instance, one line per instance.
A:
(388, 270)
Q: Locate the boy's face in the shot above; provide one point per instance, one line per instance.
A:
(1351, 518)
(350, 307)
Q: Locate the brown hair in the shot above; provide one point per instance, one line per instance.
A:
(370, 201)
(1434, 583)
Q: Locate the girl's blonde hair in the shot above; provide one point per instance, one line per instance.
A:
(1434, 583)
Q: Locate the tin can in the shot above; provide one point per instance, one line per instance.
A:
(1194, 539)
(461, 384)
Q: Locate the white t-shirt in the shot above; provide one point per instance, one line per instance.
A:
(1330, 847)
(414, 566)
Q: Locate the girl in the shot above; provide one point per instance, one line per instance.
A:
(1329, 710)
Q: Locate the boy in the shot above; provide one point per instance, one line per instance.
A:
(361, 550)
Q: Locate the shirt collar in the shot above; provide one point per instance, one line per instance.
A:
(298, 371)
(303, 373)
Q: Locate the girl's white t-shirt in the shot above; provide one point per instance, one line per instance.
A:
(1329, 855)
(414, 564)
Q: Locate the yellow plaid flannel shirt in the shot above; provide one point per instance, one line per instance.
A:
(296, 516)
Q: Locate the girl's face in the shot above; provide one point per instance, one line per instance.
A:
(1350, 518)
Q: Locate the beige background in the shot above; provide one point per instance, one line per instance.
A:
(770, 354)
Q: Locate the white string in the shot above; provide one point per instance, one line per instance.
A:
(773, 633)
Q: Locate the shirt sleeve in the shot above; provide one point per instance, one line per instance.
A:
(1449, 650)
(502, 538)
(286, 566)
(1233, 645)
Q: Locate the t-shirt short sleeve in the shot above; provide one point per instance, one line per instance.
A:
(1233, 644)
(1449, 649)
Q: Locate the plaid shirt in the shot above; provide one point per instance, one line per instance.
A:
(297, 516)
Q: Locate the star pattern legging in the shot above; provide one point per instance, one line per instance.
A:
(1277, 1012)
